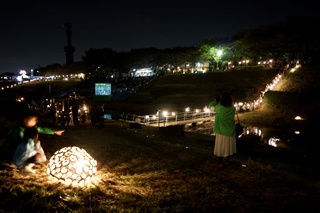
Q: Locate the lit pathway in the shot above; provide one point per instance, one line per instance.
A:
(163, 118)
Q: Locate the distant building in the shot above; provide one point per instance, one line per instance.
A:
(143, 72)
(7, 76)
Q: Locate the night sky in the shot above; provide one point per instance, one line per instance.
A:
(32, 33)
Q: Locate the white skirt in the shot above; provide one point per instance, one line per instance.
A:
(225, 145)
(27, 150)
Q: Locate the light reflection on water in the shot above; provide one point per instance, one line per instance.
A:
(282, 138)
(288, 138)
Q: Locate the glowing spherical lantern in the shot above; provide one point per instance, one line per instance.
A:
(72, 165)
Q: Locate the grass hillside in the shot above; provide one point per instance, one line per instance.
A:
(298, 93)
(176, 92)
(304, 79)
(38, 90)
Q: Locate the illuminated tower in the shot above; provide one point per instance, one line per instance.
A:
(69, 49)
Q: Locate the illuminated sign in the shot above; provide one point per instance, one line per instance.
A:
(102, 89)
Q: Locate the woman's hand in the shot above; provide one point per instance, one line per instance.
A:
(205, 108)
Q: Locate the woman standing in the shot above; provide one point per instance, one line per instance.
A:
(225, 129)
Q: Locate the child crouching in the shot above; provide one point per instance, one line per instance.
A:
(29, 152)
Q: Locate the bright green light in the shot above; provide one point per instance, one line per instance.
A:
(219, 53)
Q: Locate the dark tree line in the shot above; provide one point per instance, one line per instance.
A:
(296, 38)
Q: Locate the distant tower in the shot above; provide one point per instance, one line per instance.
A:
(69, 49)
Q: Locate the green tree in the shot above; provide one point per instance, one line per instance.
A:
(213, 51)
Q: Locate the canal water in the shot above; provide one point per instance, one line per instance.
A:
(297, 137)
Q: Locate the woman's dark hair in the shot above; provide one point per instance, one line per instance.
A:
(30, 132)
(218, 99)
(226, 99)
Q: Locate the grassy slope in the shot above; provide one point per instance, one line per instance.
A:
(141, 170)
(39, 90)
(305, 81)
(176, 92)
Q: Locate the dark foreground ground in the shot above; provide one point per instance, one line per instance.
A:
(151, 169)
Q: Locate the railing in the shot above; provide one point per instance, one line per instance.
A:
(162, 120)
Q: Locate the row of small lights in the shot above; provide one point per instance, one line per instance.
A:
(230, 64)
(65, 77)
(238, 105)
(72, 166)
(21, 99)
(246, 105)
(254, 104)
(241, 105)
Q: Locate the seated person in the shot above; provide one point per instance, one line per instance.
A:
(29, 151)
(16, 134)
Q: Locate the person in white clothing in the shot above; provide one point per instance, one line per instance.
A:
(29, 152)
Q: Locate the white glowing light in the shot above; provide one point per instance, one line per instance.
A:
(273, 141)
(298, 118)
(72, 165)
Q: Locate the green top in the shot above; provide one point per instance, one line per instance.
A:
(15, 137)
(224, 123)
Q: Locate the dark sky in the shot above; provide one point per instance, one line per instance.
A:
(32, 33)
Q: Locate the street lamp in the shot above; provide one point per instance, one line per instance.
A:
(219, 54)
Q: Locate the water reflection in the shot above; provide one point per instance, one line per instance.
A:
(273, 141)
(288, 138)
(112, 115)
(281, 138)
(297, 136)
(251, 130)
